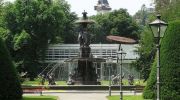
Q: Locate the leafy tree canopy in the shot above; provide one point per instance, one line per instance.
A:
(117, 22)
(169, 9)
(32, 24)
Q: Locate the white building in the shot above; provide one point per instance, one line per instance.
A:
(61, 52)
(58, 53)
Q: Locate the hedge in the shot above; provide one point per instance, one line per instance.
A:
(170, 67)
(10, 87)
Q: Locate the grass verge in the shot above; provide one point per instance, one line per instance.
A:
(125, 82)
(103, 83)
(126, 97)
(40, 98)
(38, 82)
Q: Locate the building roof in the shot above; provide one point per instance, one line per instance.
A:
(103, 2)
(102, 5)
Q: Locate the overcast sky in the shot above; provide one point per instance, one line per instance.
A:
(79, 6)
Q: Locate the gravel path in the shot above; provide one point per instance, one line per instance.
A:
(81, 96)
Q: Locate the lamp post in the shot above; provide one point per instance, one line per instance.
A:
(109, 61)
(158, 28)
(121, 54)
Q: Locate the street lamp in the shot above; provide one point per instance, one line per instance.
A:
(158, 28)
(109, 61)
(121, 54)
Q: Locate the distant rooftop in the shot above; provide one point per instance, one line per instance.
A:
(103, 2)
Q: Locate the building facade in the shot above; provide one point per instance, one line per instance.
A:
(57, 55)
(61, 52)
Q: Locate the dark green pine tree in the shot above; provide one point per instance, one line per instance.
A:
(10, 87)
(170, 67)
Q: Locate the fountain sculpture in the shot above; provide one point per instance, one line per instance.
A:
(84, 73)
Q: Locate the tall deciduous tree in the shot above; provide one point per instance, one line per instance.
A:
(37, 22)
(68, 34)
(123, 24)
(146, 51)
(169, 9)
(117, 22)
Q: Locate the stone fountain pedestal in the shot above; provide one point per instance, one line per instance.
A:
(85, 72)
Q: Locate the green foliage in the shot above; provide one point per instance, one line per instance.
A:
(3, 33)
(40, 98)
(126, 97)
(1, 12)
(143, 16)
(38, 82)
(147, 41)
(10, 88)
(68, 34)
(150, 89)
(170, 70)
(20, 39)
(122, 24)
(117, 22)
(32, 24)
(125, 82)
(101, 28)
(169, 9)
(146, 51)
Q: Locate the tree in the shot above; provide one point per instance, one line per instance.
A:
(123, 24)
(1, 7)
(10, 84)
(161, 4)
(169, 9)
(43, 21)
(68, 34)
(117, 22)
(146, 51)
(170, 70)
(143, 16)
(101, 28)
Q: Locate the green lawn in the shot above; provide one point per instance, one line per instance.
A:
(40, 98)
(38, 82)
(126, 97)
(125, 82)
(104, 82)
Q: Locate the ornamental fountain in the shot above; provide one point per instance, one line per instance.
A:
(84, 73)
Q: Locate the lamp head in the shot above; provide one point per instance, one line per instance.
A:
(158, 27)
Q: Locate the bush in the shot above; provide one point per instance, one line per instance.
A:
(170, 67)
(150, 89)
(10, 87)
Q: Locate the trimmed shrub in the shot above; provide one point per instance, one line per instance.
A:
(150, 89)
(10, 87)
(170, 67)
